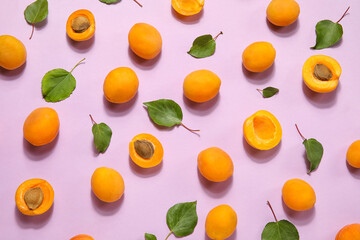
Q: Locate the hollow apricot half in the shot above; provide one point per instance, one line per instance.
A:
(321, 73)
(262, 130)
(187, 7)
(82, 237)
(34, 196)
(146, 150)
(80, 25)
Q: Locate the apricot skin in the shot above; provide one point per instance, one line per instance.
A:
(107, 184)
(349, 232)
(353, 154)
(221, 222)
(298, 195)
(82, 237)
(145, 40)
(282, 12)
(88, 33)
(258, 56)
(41, 126)
(12, 52)
(187, 7)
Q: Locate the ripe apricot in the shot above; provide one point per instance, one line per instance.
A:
(41, 126)
(349, 232)
(82, 237)
(298, 195)
(321, 73)
(201, 86)
(146, 150)
(215, 164)
(12, 52)
(145, 40)
(353, 154)
(107, 184)
(258, 56)
(282, 12)
(262, 130)
(187, 7)
(221, 222)
(120, 85)
(34, 196)
(80, 25)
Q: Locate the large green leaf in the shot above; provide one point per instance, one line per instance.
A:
(102, 136)
(149, 236)
(182, 218)
(281, 230)
(314, 152)
(327, 34)
(57, 85)
(164, 112)
(203, 46)
(36, 11)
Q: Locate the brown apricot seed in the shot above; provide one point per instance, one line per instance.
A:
(33, 198)
(322, 72)
(80, 24)
(144, 148)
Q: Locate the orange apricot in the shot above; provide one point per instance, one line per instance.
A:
(107, 184)
(321, 73)
(215, 164)
(80, 25)
(258, 56)
(298, 195)
(187, 7)
(221, 222)
(353, 154)
(41, 126)
(201, 86)
(282, 12)
(145, 40)
(349, 232)
(262, 130)
(12, 52)
(82, 237)
(146, 150)
(34, 196)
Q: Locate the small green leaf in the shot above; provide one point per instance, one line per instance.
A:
(36, 11)
(109, 1)
(182, 218)
(327, 34)
(203, 46)
(102, 136)
(314, 152)
(281, 230)
(149, 236)
(164, 112)
(269, 92)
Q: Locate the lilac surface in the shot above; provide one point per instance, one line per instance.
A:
(70, 160)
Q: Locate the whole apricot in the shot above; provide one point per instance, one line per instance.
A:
(221, 222)
(145, 40)
(120, 85)
(82, 237)
(353, 154)
(349, 232)
(258, 56)
(41, 126)
(282, 12)
(201, 86)
(187, 7)
(298, 195)
(107, 184)
(12, 52)
(215, 164)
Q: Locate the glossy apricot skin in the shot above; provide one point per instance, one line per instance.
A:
(353, 154)
(47, 190)
(41, 126)
(201, 86)
(349, 232)
(315, 84)
(221, 222)
(88, 33)
(262, 130)
(145, 40)
(258, 56)
(215, 164)
(120, 85)
(12, 52)
(282, 12)
(155, 160)
(298, 195)
(82, 237)
(107, 184)
(187, 7)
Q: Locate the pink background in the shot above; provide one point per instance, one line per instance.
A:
(70, 160)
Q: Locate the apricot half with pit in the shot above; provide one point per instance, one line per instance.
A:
(12, 52)
(349, 232)
(187, 7)
(80, 25)
(321, 73)
(298, 195)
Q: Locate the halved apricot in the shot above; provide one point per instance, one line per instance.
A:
(187, 7)
(80, 25)
(321, 73)
(34, 196)
(262, 130)
(146, 150)
(82, 237)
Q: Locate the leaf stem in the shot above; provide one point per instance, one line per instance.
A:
(218, 35)
(260, 91)
(138, 3)
(32, 31)
(77, 65)
(303, 138)
(191, 130)
(168, 235)
(92, 120)
(268, 203)
(343, 15)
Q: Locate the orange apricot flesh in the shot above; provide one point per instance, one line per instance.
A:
(187, 7)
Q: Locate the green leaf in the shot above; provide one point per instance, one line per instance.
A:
(149, 236)
(203, 46)
(102, 136)
(327, 34)
(109, 1)
(281, 230)
(164, 112)
(182, 218)
(36, 11)
(314, 152)
(269, 92)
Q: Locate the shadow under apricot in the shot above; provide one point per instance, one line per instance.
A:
(145, 172)
(9, 75)
(232, 237)
(187, 19)
(260, 77)
(215, 189)
(119, 109)
(202, 109)
(105, 208)
(300, 218)
(37, 153)
(286, 31)
(144, 64)
(355, 172)
(80, 46)
(321, 100)
(35, 222)
(260, 156)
